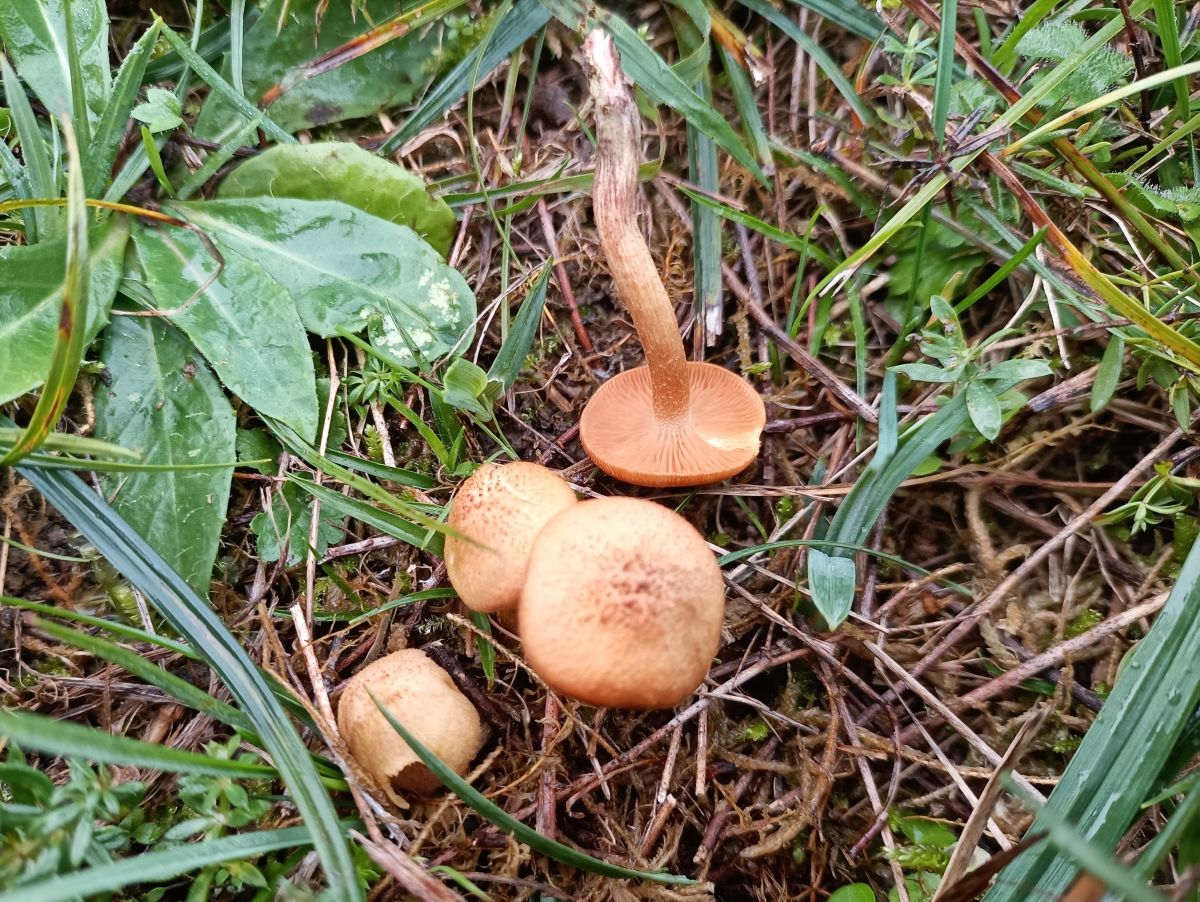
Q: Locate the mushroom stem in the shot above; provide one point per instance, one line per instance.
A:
(618, 134)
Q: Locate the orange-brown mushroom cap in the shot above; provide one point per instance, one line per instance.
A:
(499, 511)
(623, 604)
(717, 437)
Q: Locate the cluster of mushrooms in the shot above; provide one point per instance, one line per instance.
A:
(618, 601)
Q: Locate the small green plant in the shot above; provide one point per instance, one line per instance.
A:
(962, 365)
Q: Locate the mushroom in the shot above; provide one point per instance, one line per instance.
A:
(671, 422)
(499, 511)
(421, 696)
(623, 604)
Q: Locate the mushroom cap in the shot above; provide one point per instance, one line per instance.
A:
(720, 437)
(502, 507)
(623, 604)
(421, 696)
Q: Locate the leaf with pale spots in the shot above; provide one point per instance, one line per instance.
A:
(347, 270)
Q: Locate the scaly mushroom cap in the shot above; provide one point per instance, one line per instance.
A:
(623, 605)
(717, 438)
(421, 696)
(502, 508)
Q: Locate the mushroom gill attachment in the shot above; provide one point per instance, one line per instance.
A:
(421, 696)
(623, 605)
(500, 508)
(670, 423)
(717, 437)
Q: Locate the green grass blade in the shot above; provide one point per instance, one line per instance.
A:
(1120, 759)
(72, 740)
(69, 346)
(819, 54)
(704, 170)
(848, 14)
(747, 107)
(650, 73)
(511, 357)
(195, 620)
(177, 687)
(72, 444)
(79, 107)
(237, 33)
(523, 22)
(943, 85)
(217, 158)
(382, 520)
(1071, 843)
(219, 85)
(500, 818)
(159, 865)
(42, 224)
(111, 128)
(113, 626)
(398, 475)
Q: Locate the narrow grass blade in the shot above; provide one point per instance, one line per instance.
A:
(849, 14)
(384, 521)
(819, 54)
(72, 740)
(526, 18)
(704, 170)
(1092, 106)
(1122, 755)
(159, 865)
(217, 158)
(69, 346)
(177, 687)
(131, 633)
(111, 127)
(195, 620)
(398, 475)
(500, 818)
(79, 112)
(1073, 844)
(214, 80)
(42, 223)
(943, 85)
(72, 444)
(650, 73)
(511, 356)
(237, 26)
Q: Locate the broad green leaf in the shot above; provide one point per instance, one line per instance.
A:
(286, 524)
(240, 318)
(72, 740)
(31, 288)
(161, 112)
(984, 408)
(164, 863)
(344, 171)
(348, 270)
(853, 892)
(165, 402)
(35, 35)
(194, 620)
(390, 75)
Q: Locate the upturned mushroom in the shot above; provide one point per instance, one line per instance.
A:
(671, 422)
(419, 694)
(499, 511)
(623, 604)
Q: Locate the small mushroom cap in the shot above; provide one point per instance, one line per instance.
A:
(720, 437)
(623, 605)
(421, 696)
(502, 507)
